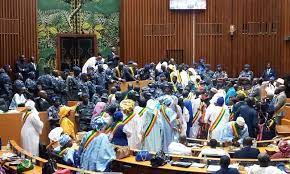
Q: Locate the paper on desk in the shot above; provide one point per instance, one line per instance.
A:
(198, 165)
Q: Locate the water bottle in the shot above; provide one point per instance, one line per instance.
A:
(254, 143)
(8, 145)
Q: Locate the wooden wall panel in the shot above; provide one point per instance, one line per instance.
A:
(261, 28)
(149, 28)
(17, 30)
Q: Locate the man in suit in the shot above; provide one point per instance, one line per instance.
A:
(130, 71)
(247, 151)
(118, 73)
(32, 66)
(113, 57)
(250, 116)
(225, 161)
(269, 73)
(21, 66)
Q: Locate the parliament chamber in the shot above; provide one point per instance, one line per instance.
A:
(145, 86)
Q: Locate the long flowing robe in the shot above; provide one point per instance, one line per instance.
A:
(31, 129)
(169, 134)
(98, 154)
(133, 131)
(211, 116)
(227, 134)
(196, 115)
(153, 141)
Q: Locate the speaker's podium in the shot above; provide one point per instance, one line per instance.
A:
(74, 49)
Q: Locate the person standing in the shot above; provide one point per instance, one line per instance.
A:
(216, 116)
(269, 73)
(250, 116)
(152, 128)
(31, 129)
(96, 151)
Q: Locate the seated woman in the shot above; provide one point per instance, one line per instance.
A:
(68, 155)
(66, 124)
(284, 148)
(96, 151)
(117, 136)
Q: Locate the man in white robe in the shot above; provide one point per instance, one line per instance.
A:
(216, 116)
(198, 108)
(31, 129)
(132, 124)
(94, 62)
(234, 131)
(18, 99)
(152, 128)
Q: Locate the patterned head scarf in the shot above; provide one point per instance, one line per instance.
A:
(64, 139)
(127, 105)
(100, 107)
(167, 101)
(98, 123)
(284, 146)
(64, 111)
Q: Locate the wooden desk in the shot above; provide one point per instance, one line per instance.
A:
(145, 167)
(124, 85)
(35, 170)
(39, 161)
(283, 130)
(229, 149)
(11, 124)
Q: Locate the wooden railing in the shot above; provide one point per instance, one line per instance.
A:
(40, 161)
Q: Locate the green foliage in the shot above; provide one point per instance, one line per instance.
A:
(100, 17)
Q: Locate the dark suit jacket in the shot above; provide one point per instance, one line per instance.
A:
(251, 118)
(227, 171)
(247, 152)
(266, 76)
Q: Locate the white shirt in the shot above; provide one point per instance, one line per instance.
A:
(213, 152)
(256, 169)
(179, 149)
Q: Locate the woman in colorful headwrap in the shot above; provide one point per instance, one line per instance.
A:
(169, 122)
(132, 124)
(95, 150)
(284, 148)
(118, 136)
(66, 124)
(31, 129)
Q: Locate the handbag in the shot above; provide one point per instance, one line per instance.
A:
(160, 159)
(25, 165)
(122, 152)
(49, 167)
(143, 155)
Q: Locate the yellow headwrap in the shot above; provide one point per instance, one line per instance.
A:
(127, 105)
(64, 111)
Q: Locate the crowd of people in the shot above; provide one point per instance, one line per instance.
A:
(182, 101)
